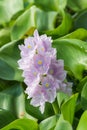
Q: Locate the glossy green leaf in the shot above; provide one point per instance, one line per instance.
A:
(77, 34)
(22, 124)
(62, 124)
(6, 117)
(74, 54)
(63, 28)
(45, 20)
(53, 4)
(12, 99)
(83, 122)
(81, 20)
(84, 96)
(9, 55)
(77, 5)
(8, 8)
(61, 97)
(31, 19)
(4, 36)
(68, 108)
(23, 24)
(48, 123)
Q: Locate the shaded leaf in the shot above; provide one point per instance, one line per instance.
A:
(12, 99)
(81, 84)
(6, 117)
(77, 5)
(35, 112)
(81, 20)
(9, 55)
(84, 96)
(4, 36)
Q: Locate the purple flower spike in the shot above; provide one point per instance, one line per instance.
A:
(43, 74)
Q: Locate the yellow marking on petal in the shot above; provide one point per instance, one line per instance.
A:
(40, 62)
(51, 71)
(42, 49)
(47, 85)
(29, 46)
(35, 73)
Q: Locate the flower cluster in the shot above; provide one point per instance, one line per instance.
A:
(43, 74)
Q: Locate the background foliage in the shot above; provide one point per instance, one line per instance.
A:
(66, 22)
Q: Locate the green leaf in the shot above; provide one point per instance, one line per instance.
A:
(6, 117)
(5, 84)
(77, 34)
(63, 124)
(68, 108)
(63, 28)
(81, 20)
(45, 20)
(12, 99)
(31, 19)
(77, 5)
(54, 5)
(48, 123)
(35, 112)
(61, 97)
(8, 8)
(74, 54)
(23, 24)
(81, 84)
(4, 36)
(9, 55)
(22, 124)
(83, 122)
(84, 96)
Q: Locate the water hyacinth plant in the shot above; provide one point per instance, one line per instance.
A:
(43, 65)
(43, 73)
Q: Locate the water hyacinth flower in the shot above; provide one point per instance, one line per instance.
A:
(43, 74)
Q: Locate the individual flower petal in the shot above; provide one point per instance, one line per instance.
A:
(42, 63)
(30, 75)
(57, 69)
(26, 62)
(33, 89)
(66, 87)
(49, 85)
(28, 47)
